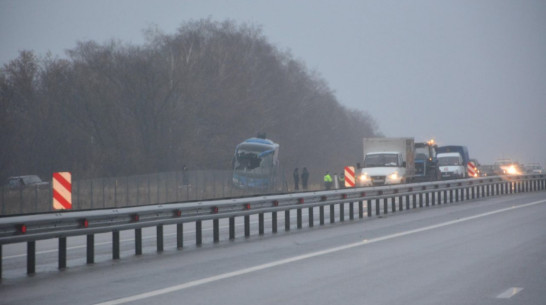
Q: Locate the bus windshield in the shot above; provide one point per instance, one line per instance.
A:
(254, 158)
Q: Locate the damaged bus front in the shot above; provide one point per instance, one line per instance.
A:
(255, 164)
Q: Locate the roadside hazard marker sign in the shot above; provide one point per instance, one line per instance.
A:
(349, 176)
(472, 170)
(62, 191)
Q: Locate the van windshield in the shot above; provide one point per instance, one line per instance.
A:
(381, 160)
(449, 161)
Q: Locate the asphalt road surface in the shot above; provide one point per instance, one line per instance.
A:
(490, 251)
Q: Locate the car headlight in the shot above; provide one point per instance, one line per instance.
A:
(512, 170)
(364, 177)
(394, 176)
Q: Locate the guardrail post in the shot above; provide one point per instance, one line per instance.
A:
(299, 218)
(274, 222)
(427, 199)
(332, 214)
(385, 205)
(361, 209)
(1, 261)
(179, 235)
(393, 203)
(261, 223)
(287, 220)
(420, 200)
(414, 199)
(321, 215)
(451, 196)
(247, 225)
(115, 245)
(198, 233)
(62, 252)
(216, 230)
(351, 211)
(138, 241)
(341, 212)
(494, 189)
(90, 248)
(377, 207)
(445, 197)
(31, 257)
(311, 218)
(401, 203)
(159, 233)
(408, 206)
(369, 207)
(433, 199)
(232, 228)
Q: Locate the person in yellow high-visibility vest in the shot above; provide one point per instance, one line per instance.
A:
(328, 181)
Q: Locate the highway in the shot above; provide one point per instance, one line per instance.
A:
(488, 251)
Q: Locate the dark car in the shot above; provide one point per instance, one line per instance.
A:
(19, 182)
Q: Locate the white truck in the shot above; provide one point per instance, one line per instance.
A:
(451, 165)
(387, 161)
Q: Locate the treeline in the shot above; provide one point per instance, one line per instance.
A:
(182, 99)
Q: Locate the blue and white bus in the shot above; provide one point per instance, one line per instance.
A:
(255, 163)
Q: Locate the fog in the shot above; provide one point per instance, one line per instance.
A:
(461, 72)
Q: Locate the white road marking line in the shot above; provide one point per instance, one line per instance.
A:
(218, 277)
(510, 292)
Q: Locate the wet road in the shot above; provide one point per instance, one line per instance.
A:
(482, 252)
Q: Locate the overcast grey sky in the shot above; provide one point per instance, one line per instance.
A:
(463, 72)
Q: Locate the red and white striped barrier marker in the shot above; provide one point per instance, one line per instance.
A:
(472, 170)
(349, 176)
(62, 191)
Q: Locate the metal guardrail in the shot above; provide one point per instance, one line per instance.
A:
(30, 228)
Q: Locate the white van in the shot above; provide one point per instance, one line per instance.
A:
(451, 165)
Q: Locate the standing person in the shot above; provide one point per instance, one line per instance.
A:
(296, 179)
(304, 178)
(341, 179)
(328, 181)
